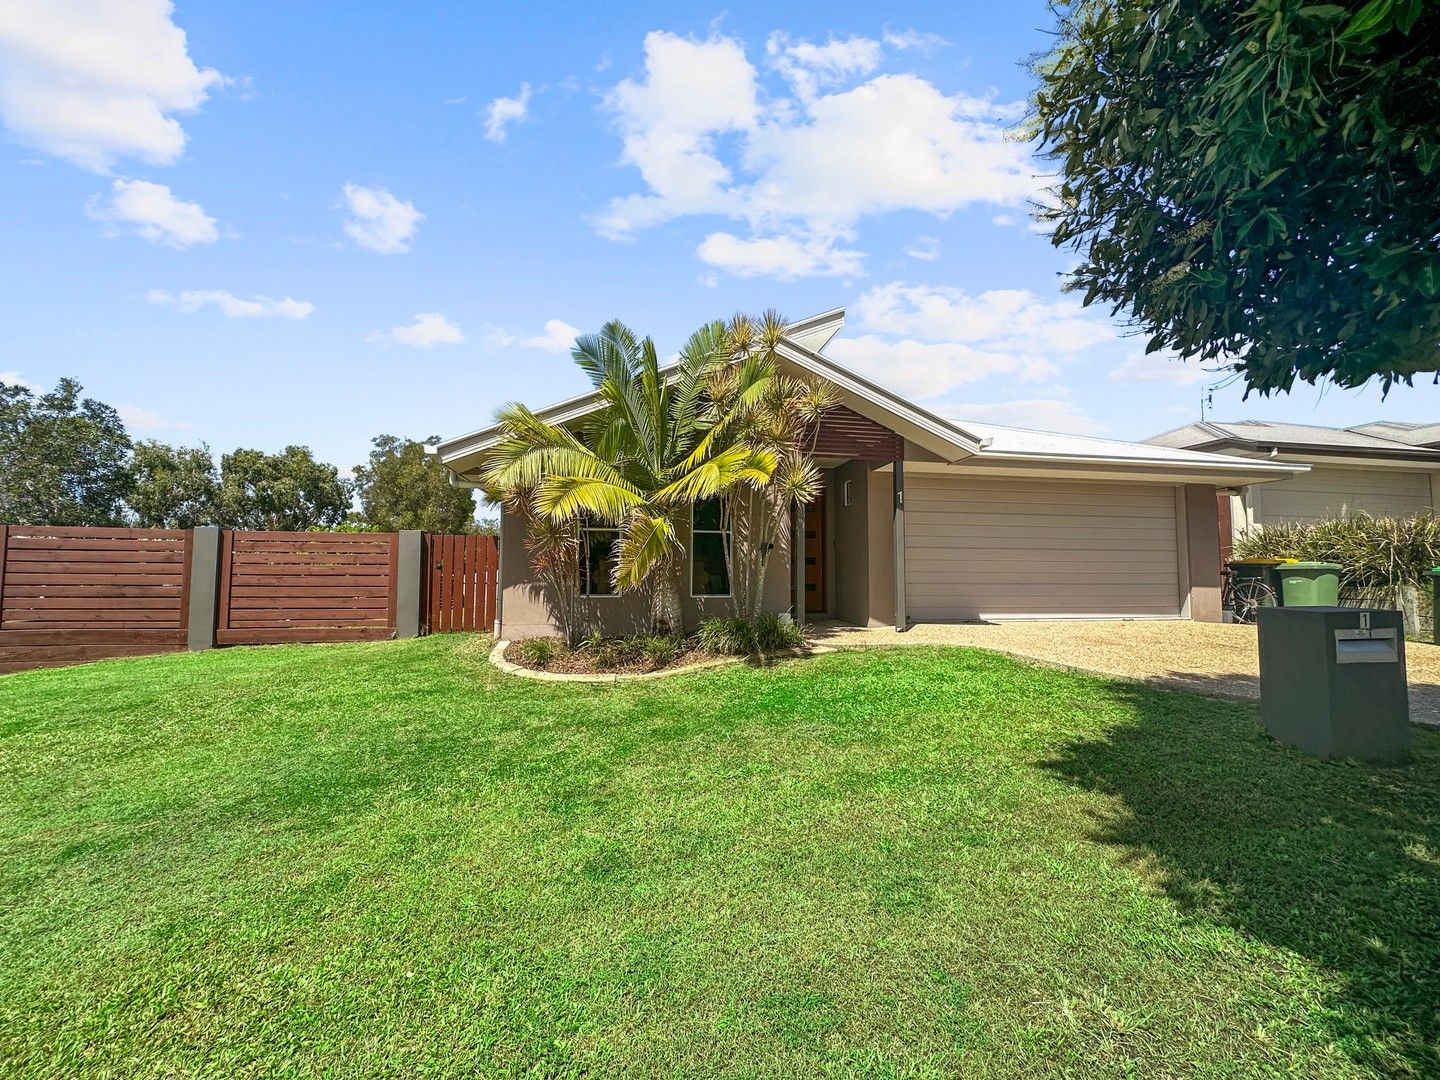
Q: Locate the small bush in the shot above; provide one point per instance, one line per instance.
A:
(728, 637)
(539, 652)
(767, 633)
(774, 634)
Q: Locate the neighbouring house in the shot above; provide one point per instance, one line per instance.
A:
(1383, 468)
(928, 519)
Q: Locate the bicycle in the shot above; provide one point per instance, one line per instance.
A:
(1244, 594)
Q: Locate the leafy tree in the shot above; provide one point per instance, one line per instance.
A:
(289, 491)
(1255, 181)
(661, 442)
(64, 460)
(176, 487)
(404, 488)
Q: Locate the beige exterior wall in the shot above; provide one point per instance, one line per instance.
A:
(1201, 518)
(980, 548)
(526, 613)
(1329, 491)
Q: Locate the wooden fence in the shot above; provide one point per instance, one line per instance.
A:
(460, 573)
(285, 586)
(69, 595)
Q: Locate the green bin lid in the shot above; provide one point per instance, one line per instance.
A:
(1312, 566)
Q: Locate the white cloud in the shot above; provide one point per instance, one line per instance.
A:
(557, 337)
(1166, 367)
(138, 419)
(807, 169)
(807, 66)
(1046, 414)
(155, 214)
(429, 329)
(926, 370)
(14, 378)
(925, 341)
(232, 306)
(503, 111)
(924, 248)
(921, 41)
(379, 221)
(784, 257)
(1013, 318)
(94, 81)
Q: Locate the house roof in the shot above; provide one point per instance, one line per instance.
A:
(949, 441)
(1388, 439)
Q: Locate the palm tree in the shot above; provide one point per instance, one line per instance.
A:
(639, 462)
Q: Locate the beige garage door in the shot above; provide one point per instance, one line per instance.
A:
(1326, 492)
(981, 549)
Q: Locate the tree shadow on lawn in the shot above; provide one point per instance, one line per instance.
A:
(1337, 862)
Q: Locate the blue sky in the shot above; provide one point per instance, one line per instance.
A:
(259, 224)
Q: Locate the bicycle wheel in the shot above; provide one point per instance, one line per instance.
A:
(1248, 596)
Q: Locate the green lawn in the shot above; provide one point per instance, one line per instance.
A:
(389, 859)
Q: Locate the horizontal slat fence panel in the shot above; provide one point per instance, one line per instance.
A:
(69, 595)
(460, 582)
(277, 586)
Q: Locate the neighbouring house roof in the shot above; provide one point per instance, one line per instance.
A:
(1385, 439)
(949, 441)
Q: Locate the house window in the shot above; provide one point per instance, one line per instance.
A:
(709, 575)
(597, 559)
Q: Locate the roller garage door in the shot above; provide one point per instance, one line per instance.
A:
(998, 548)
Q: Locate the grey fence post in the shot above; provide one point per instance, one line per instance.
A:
(410, 584)
(204, 587)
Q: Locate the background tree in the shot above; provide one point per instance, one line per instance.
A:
(64, 459)
(285, 491)
(175, 487)
(1257, 181)
(402, 487)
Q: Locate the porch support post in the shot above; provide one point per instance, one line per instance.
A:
(898, 518)
(797, 561)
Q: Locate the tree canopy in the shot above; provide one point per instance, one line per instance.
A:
(285, 491)
(1256, 183)
(175, 486)
(64, 459)
(402, 487)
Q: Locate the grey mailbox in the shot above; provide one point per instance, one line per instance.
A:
(1332, 681)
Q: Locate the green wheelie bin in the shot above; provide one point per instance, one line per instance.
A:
(1309, 584)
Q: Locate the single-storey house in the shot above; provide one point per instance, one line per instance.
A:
(929, 519)
(1384, 468)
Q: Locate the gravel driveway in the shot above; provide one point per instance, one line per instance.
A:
(1208, 658)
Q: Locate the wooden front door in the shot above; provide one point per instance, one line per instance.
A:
(815, 556)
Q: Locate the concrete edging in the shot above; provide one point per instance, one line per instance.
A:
(497, 658)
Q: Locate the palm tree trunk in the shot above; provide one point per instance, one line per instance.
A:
(667, 616)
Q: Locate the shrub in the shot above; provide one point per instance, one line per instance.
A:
(766, 633)
(539, 652)
(1383, 560)
(774, 634)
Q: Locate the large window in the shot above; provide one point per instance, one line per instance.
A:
(597, 559)
(709, 575)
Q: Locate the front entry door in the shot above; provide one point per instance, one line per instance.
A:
(815, 600)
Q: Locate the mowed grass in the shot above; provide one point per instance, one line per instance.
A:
(388, 859)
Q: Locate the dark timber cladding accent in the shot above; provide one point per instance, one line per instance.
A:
(283, 586)
(74, 594)
(844, 433)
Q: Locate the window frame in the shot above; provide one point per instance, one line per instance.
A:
(723, 532)
(582, 559)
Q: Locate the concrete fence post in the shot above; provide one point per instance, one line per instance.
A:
(204, 587)
(410, 583)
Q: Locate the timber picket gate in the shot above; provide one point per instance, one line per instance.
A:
(70, 595)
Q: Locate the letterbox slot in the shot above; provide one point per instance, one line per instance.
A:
(1366, 647)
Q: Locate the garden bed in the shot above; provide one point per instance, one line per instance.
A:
(638, 655)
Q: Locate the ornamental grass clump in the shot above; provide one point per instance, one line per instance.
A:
(1383, 560)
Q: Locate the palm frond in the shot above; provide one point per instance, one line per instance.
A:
(646, 540)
